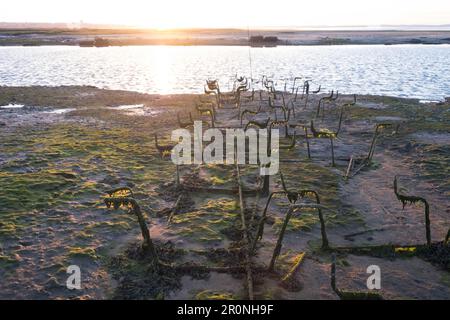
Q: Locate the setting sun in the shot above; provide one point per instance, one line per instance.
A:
(234, 13)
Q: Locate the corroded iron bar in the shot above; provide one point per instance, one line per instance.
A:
(135, 209)
(405, 199)
(278, 246)
(245, 236)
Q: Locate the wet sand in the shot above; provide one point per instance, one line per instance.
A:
(66, 146)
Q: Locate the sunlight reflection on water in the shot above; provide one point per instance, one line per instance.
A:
(415, 71)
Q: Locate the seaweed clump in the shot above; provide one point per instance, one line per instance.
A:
(136, 277)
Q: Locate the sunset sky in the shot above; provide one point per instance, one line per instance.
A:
(230, 13)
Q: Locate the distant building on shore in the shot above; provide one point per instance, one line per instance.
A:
(97, 42)
(262, 41)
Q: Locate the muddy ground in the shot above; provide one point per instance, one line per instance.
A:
(62, 148)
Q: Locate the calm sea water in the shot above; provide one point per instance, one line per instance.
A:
(415, 71)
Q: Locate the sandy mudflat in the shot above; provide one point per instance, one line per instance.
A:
(61, 148)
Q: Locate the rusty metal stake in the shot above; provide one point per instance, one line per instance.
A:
(405, 199)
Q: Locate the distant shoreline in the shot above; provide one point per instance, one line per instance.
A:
(219, 37)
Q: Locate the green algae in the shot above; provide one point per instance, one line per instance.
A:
(26, 191)
(445, 279)
(67, 163)
(214, 295)
(308, 175)
(209, 223)
(82, 252)
(73, 164)
(433, 162)
(109, 225)
(304, 221)
(8, 262)
(219, 175)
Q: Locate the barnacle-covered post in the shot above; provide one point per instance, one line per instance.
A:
(123, 197)
(405, 199)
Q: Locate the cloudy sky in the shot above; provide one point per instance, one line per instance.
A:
(230, 13)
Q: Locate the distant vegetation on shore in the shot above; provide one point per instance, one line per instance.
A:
(126, 37)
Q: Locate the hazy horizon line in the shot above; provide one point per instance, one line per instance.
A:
(81, 25)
